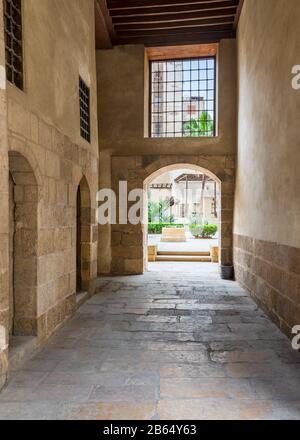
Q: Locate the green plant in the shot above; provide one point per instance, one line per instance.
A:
(158, 211)
(152, 210)
(203, 126)
(203, 231)
(156, 228)
(209, 230)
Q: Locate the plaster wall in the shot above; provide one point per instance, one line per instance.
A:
(268, 178)
(122, 76)
(267, 198)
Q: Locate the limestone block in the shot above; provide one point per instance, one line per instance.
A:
(25, 242)
(52, 165)
(133, 252)
(26, 268)
(25, 326)
(45, 135)
(18, 119)
(66, 170)
(62, 239)
(3, 364)
(132, 239)
(214, 253)
(116, 238)
(58, 141)
(30, 193)
(25, 216)
(135, 266)
(4, 282)
(62, 192)
(4, 212)
(173, 235)
(34, 128)
(152, 252)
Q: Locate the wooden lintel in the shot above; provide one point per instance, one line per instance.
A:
(178, 52)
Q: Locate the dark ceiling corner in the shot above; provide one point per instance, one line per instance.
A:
(165, 22)
(103, 24)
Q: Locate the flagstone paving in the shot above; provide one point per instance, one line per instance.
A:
(179, 344)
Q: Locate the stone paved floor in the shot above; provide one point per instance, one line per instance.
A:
(161, 346)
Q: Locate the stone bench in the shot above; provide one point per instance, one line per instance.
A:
(173, 235)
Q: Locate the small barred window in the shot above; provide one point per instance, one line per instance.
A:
(13, 42)
(84, 101)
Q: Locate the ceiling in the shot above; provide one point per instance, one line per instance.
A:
(165, 22)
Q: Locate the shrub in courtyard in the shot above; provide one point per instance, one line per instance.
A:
(203, 231)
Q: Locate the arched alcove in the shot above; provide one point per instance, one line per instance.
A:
(23, 242)
(83, 236)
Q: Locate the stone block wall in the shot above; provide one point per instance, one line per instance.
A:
(4, 229)
(43, 163)
(271, 273)
(56, 167)
(128, 242)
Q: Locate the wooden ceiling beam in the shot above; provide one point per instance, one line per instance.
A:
(125, 4)
(176, 31)
(174, 17)
(165, 22)
(174, 9)
(179, 24)
(179, 39)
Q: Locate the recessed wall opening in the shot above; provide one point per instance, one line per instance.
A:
(184, 218)
(83, 237)
(23, 242)
(181, 91)
(183, 97)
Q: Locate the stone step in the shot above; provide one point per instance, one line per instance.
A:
(185, 254)
(184, 258)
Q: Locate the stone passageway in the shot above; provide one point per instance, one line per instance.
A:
(161, 346)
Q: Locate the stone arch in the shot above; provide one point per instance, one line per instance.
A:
(156, 169)
(23, 244)
(83, 236)
(176, 166)
(128, 254)
(25, 151)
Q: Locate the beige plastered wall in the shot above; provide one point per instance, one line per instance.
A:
(122, 76)
(267, 200)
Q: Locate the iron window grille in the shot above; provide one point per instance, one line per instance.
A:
(84, 101)
(183, 97)
(13, 42)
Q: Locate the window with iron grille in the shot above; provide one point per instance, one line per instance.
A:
(183, 97)
(13, 42)
(84, 100)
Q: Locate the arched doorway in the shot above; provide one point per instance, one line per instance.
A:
(129, 247)
(23, 241)
(83, 237)
(186, 197)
